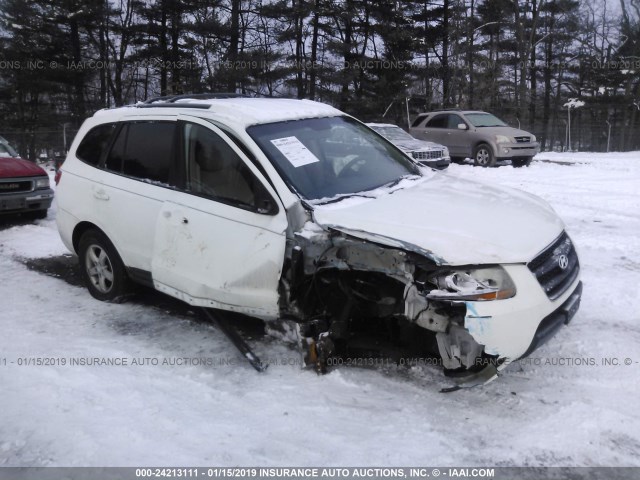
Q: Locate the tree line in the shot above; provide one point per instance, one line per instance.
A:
(523, 60)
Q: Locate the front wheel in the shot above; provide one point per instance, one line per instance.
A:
(483, 156)
(102, 268)
(521, 162)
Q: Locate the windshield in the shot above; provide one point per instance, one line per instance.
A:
(7, 150)
(326, 157)
(485, 120)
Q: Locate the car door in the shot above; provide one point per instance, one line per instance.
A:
(137, 177)
(433, 130)
(220, 240)
(456, 139)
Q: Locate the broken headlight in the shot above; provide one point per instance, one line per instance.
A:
(478, 284)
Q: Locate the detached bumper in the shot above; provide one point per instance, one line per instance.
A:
(552, 323)
(513, 328)
(24, 202)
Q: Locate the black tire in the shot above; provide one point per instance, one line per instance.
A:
(483, 156)
(521, 162)
(102, 267)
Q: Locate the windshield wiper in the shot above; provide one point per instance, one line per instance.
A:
(337, 199)
(398, 180)
(342, 196)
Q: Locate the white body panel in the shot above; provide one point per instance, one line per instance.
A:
(210, 251)
(460, 222)
(506, 327)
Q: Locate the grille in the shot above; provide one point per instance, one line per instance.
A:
(428, 155)
(523, 139)
(15, 186)
(548, 266)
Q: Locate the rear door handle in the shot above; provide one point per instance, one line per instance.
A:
(100, 194)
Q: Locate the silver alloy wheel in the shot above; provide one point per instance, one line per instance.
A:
(99, 268)
(483, 156)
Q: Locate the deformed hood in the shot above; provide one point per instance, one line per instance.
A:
(457, 221)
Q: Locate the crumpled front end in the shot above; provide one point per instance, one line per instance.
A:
(357, 301)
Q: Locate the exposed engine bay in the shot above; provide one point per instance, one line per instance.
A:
(354, 298)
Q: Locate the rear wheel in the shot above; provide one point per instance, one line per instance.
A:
(521, 162)
(102, 268)
(483, 156)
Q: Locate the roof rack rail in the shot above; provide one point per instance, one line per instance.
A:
(203, 106)
(193, 96)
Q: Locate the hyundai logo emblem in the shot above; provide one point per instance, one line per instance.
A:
(563, 262)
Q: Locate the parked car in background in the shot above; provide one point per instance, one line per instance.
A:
(24, 186)
(292, 211)
(477, 135)
(427, 153)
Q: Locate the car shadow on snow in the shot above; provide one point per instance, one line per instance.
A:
(16, 220)
(66, 268)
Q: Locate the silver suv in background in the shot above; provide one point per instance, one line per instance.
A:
(430, 154)
(477, 135)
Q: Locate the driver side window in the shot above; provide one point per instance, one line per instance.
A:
(454, 121)
(214, 169)
(439, 121)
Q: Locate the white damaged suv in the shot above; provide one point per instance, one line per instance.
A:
(296, 213)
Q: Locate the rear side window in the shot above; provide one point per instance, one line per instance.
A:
(419, 119)
(95, 143)
(439, 121)
(116, 155)
(144, 150)
(149, 151)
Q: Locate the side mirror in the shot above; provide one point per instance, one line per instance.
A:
(462, 126)
(266, 205)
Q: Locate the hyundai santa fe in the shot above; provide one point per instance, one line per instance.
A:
(296, 213)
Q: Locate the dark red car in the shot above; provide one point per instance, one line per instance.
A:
(24, 186)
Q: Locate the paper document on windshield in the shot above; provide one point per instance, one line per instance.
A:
(295, 151)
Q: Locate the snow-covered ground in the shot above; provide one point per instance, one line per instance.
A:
(570, 412)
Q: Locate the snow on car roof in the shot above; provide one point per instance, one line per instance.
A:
(245, 111)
